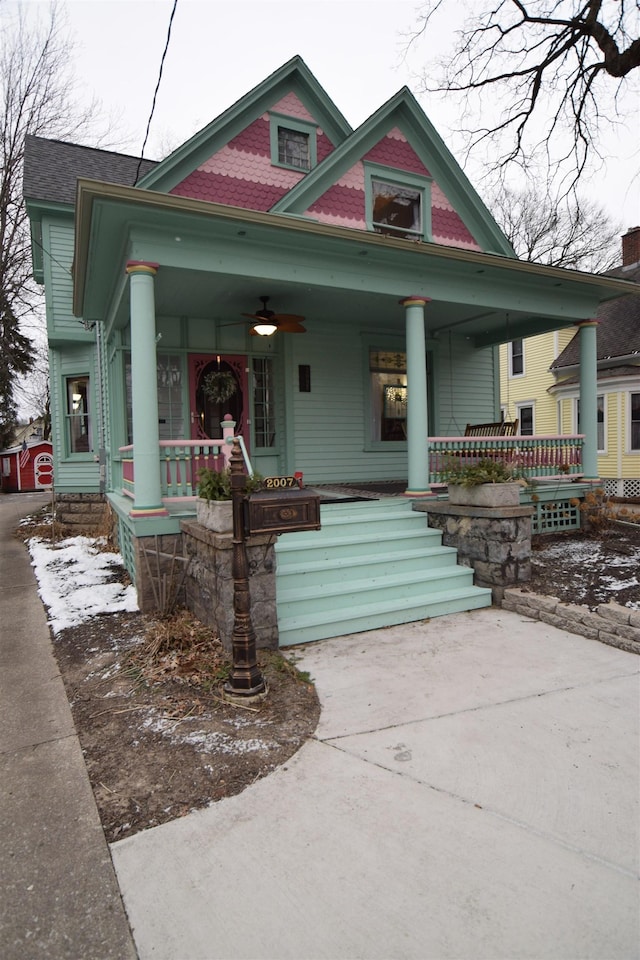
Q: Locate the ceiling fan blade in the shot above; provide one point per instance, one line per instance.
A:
(252, 316)
(290, 326)
(288, 317)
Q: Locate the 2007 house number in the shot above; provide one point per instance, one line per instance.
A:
(280, 483)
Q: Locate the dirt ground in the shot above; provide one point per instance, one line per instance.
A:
(589, 570)
(158, 736)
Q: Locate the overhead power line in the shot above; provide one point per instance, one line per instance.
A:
(155, 95)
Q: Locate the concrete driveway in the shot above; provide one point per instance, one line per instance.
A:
(471, 792)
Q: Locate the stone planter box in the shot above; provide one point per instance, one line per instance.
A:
(485, 495)
(216, 515)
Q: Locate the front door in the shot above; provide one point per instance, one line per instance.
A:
(218, 385)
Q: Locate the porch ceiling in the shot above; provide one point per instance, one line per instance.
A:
(215, 262)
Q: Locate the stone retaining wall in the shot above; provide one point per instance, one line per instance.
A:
(86, 512)
(209, 582)
(610, 623)
(495, 541)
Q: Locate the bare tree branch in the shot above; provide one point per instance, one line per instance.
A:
(538, 77)
(36, 97)
(563, 233)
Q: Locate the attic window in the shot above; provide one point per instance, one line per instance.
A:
(396, 210)
(398, 203)
(293, 148)
(293, 143)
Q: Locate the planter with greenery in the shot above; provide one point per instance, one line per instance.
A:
(485, 483)
(213, 506)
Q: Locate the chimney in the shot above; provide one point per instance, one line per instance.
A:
(631, 247)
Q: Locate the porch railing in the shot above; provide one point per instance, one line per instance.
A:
(180, 461)
(535, 458)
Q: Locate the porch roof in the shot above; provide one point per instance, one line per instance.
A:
(217, 259)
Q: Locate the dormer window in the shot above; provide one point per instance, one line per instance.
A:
(398, 203)
(293, 143)
(293, 148)
(396, 210)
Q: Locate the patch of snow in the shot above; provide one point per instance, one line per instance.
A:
(204, 742)
(73, 581)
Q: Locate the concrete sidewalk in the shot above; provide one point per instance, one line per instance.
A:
(58, 893)
(472, 792)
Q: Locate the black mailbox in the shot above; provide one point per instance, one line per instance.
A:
(281, 511)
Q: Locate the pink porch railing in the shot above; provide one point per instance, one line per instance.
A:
(536, 458)
(180, 461)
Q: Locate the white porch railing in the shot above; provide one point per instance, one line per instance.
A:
(535, 458)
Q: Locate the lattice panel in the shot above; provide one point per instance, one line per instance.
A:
(125, 544)
(631, 488)
(556, 515)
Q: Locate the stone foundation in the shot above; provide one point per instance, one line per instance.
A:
(495, 541)
(82, 513)
(209, 582)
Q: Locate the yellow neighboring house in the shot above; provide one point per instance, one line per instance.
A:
(539, 382)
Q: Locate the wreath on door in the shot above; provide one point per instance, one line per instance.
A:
(219, 385)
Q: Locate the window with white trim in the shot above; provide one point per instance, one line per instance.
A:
(634, 419)
(525, 416)
(516, 358)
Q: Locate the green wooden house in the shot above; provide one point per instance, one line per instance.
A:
(391, 284)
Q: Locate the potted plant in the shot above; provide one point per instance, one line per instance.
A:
(484, 483)
(213, 506)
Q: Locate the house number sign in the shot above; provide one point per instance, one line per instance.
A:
(281, 483)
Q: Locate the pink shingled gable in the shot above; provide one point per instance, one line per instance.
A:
(218, 188)
(448, 228)
(323, 146)
(254, 139)
(291, 106)
(339, 201)
(394, 152)
(247, 166)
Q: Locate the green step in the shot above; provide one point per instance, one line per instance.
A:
(309, 627)
(373, 564)
(355, 593)
(337, 568)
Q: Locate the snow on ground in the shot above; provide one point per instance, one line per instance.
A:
(76, 581)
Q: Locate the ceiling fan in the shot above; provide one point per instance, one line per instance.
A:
(266, 322)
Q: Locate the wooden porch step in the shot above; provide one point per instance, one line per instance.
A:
(373, 564)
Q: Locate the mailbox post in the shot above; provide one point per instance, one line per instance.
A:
(283, 508)
(245, 680)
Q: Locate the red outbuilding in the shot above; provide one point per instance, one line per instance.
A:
(27, 467)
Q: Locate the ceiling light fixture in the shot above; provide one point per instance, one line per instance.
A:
(264, 328)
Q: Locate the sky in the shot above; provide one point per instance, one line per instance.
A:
(220, 49)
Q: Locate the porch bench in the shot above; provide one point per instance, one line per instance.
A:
(504, 428)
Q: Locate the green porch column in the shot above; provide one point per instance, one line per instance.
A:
(144, 395)
(589, 397)
(417, 414)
